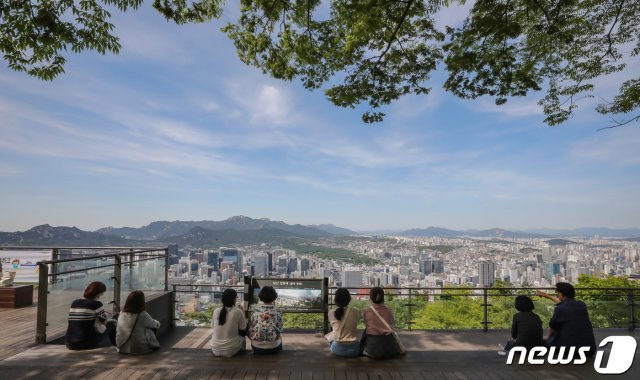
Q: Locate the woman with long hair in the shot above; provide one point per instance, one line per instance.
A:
(344, 323)
(378, 339)
(88, 320)
(136, 331)
(229, 326)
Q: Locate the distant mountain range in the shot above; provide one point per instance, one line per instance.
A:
(245, 230)
(494, 232)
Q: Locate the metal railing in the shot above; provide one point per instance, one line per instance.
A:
(598, 299)
(72, 273)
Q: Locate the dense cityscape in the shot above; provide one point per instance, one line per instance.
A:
(415, 262)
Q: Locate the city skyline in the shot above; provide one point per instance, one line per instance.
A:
(176, 128)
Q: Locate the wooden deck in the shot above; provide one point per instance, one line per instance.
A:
(432, 355)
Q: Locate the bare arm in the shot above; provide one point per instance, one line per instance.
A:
(542, 294)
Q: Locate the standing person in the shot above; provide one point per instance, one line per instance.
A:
(266, 324)
(379, 342)
(229, 326)
(87, 325)
(136, 332)
(344, 322)
(570, 325)
(526, 327)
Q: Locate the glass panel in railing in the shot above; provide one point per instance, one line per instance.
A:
(144, 272)
(195, 303)
(66, 287)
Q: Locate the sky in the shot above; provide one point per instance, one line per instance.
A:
(175, 127)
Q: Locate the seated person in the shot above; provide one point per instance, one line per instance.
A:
(266, 324)
(378, 342)
(344, 322)
(136, 332)
(87, 326)
(229, 325)
(570, 325)
(526, 327)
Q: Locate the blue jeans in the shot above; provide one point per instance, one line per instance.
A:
(345, 349)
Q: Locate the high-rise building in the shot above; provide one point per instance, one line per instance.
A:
(430, 265)
(304, 266)
(293, 265)
(260, 265)
(352, 277)
(232, 255)
(486, 273)
(282, 264)
(270, 262)
(212, 260)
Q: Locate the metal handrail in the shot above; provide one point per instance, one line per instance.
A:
(45, 277)
(630, 294)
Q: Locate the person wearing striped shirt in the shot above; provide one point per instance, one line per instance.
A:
(88, 320)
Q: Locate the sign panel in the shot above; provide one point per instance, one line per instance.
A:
(23, 262)
(300, 295)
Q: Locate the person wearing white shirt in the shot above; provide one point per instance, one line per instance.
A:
(229, 325)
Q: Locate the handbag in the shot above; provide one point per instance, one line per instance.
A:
(400, 346)
(330, 337)
(130, 334)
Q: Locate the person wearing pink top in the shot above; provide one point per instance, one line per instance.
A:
(378, 341)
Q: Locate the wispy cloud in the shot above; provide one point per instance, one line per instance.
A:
(618, 147)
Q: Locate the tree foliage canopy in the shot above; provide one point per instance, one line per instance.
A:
(375, 51)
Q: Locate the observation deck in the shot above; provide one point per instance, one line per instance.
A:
(431, 354)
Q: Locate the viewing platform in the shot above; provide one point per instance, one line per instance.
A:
(443, 354)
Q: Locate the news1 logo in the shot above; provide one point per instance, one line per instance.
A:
(623, 350)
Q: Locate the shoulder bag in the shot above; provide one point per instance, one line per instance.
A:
(401, 348)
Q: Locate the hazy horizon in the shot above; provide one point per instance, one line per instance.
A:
(175, 125)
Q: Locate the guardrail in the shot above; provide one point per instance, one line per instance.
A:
(484, 307)
(75, 276)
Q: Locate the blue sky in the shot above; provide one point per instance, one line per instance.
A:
(175, 127)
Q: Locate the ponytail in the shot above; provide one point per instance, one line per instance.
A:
(222, 318)
(228, 300)
(342, 299)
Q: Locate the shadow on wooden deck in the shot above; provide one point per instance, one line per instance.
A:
(185, 355)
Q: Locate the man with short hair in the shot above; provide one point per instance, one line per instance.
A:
(570, 325)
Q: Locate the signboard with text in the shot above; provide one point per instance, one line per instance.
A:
(23, 262)
(294, 295)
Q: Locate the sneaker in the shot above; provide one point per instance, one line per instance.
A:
(502, 352)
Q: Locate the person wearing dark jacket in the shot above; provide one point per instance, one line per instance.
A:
(570, 325)
(526, 327)
(88, 320)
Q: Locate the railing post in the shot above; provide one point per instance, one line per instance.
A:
(485, 305)
(173, 306)
(55, 255)
(166, 270)
(130, 270)
(630, 303)
(117, 278)
(43, 291)
(410, 320)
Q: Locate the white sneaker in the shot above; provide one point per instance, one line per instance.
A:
(502, 352)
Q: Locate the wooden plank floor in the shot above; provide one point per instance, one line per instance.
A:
(432, 355)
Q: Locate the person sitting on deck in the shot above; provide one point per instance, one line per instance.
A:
(570, 325)
(344, 323)
(229, 326)
(266, 324)
(378, 341)
(88, 320)
(526, 327)
(136, 332)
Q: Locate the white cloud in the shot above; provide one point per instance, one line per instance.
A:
(617, 147)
